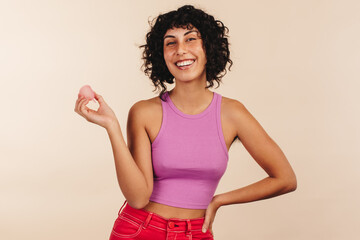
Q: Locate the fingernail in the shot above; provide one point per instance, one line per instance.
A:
(204, 230)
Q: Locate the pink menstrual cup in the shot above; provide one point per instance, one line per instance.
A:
(87, 92)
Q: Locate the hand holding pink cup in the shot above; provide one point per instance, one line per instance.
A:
(87, 92)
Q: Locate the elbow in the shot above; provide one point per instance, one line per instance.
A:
(138, 204)
(140, 198)
(144, 203)
(140, 201)
(292, 187)
(291, 184)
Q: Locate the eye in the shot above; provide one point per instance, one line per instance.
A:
(190, 39)
(170, 43)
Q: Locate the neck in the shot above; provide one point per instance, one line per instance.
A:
(191, 96)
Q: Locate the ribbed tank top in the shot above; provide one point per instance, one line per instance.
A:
(189, 156)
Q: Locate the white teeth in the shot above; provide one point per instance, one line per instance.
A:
(185, 63)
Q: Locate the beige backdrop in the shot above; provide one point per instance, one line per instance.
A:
(295, 68)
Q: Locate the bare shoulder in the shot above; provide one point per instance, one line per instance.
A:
(148, 114)
(233, 109)
(145, 108)
(238, 116)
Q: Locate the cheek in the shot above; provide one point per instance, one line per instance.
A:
(202, 54)
(200, 50)
(167, 61)
(167, 56)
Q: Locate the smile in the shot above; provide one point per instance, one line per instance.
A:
(185, 64)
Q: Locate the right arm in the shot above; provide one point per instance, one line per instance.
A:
(133, 162)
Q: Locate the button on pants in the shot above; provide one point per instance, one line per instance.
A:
(140, 224)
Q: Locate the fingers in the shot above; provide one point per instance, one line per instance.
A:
(77, 102)
(205, 225)
(89, 114)
(83, 108)
(80, 106)
(99, 98)
(208, 221)
(210, 228)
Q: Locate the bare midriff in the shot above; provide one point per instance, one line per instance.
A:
(166, 211)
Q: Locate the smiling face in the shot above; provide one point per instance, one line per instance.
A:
(184, 54)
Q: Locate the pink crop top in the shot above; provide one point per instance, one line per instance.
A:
(189, 156)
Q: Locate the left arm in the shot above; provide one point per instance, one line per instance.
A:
(266, 153)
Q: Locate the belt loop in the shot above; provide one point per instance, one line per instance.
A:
(189, 228)
(188, 225)
(122, 206)
(147, 220)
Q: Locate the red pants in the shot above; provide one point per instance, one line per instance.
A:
(139, 224)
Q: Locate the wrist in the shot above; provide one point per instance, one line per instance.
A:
(112, 126)
(218, 201)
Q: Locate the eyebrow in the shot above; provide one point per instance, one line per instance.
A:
(188, 32)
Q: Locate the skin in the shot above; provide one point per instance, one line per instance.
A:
(133, 162)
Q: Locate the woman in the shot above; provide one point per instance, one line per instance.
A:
(178, 142)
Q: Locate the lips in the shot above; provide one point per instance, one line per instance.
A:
(185, 64)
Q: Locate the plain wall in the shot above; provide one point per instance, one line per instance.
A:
(296, 69)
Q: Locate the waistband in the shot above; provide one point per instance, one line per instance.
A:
(142, 216)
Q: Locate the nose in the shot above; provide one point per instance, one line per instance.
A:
(181, 49)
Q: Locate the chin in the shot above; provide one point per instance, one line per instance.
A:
(187, 77)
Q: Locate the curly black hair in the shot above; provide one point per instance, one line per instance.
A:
(214, 36)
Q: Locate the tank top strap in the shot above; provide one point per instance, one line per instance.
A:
(165, 111)
(218, 123)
